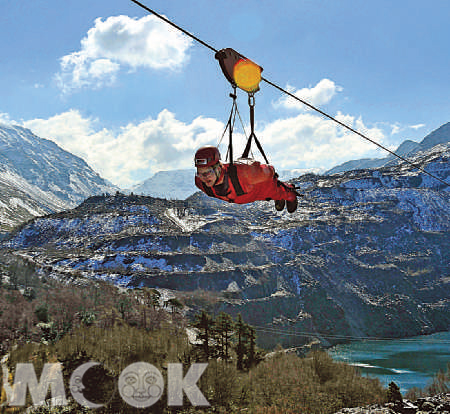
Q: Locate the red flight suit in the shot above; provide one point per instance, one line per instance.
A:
(258, 182)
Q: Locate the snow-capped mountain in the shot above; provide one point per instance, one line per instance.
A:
(38, 177)
(407, 149)
(173, 184)
(365, 254)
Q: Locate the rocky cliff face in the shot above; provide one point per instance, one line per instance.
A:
(366, 253)
(38, 177)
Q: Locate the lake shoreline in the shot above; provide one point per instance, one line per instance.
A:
(410, 362)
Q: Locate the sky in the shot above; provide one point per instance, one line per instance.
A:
(132, 96)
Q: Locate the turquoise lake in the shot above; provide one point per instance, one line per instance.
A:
(410, 362)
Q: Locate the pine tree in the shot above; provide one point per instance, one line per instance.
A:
(205, 324)
(251, 347)
(124, 305)
(240, 348)
(245, 337)
(224, 332)
(393, 393)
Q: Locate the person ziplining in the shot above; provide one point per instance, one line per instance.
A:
(241, 183)
(246, 180)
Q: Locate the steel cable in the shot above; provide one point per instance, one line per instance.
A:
(296, 97)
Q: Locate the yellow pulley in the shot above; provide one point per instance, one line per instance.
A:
(240, 71)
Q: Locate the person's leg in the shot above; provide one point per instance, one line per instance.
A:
(283, 194)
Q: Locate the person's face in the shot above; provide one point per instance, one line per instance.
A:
(207, 175)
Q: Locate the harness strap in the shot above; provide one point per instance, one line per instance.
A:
(258, 144)
(251, 102)
(230, 126)
(208, 190)
(232, 173)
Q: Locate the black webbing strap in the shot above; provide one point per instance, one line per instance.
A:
(232, 173)
(208, 190)
(230, 126)
(251, 102)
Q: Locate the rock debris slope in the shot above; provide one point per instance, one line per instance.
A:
(434, 405)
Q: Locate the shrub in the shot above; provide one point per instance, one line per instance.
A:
(221, 384)
(29, 294)
(41, 313)
(393, 393)
(440, 384)
(314, 385)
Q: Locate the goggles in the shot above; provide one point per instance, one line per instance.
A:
(202, 161)
(205, 173)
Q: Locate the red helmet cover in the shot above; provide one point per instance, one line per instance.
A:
(207, 156)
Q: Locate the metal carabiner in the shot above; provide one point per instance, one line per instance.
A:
(251, 100)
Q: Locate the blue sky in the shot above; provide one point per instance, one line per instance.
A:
(114, 85)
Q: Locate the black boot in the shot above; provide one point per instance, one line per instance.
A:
(292, 205)
(279, 205)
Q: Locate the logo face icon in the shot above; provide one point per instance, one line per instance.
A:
(77, 387)
(141, 384)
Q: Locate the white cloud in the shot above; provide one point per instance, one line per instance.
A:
(310, 141)
(318, 95)
(122, 42)
(5, 119)
(134, 152)
(397, 127)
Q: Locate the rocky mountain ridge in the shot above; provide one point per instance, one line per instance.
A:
(406, 149)
(38, 177)
(365, 254)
